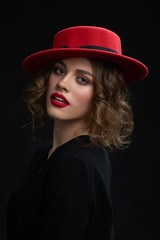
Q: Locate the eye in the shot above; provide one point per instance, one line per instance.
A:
(58, 70)
(82, 81)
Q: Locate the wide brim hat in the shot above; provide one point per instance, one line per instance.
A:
(87, 42)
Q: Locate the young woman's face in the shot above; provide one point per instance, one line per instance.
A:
(70, 89)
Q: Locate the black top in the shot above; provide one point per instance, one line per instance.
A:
(66, 197)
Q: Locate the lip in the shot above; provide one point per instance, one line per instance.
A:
(59, 100)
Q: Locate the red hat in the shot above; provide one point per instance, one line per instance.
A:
(87, 42)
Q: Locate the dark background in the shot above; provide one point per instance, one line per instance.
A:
(28, 26)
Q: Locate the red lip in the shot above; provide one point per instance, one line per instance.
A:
(59, 100)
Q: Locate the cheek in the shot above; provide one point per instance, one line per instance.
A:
(51, 82)
(84, 97)
(51, 85)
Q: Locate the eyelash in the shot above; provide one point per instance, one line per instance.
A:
(80, 79)
(56, 69)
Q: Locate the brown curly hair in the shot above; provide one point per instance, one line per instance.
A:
(110, 122)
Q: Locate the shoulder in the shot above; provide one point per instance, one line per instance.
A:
(79, 165)
(80, 155)
(40, 155)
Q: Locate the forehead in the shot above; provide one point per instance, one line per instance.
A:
(83, 63)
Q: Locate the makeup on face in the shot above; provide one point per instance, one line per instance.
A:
(70, 89)
(59, 100)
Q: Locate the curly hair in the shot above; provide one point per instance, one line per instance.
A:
(110, 122)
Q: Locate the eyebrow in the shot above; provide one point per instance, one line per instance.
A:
(77, 70)
(84, 72)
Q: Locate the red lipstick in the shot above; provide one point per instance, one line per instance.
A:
(59, 100)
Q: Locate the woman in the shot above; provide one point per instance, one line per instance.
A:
(80, 83)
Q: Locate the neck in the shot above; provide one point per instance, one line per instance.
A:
(64, 131)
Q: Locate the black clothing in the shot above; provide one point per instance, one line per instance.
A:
(66, 197)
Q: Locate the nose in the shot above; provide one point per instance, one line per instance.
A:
(63, 83)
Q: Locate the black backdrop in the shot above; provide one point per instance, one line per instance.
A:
(28, 26)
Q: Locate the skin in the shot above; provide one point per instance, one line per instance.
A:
(73, 79)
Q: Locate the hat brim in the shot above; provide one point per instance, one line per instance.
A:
(133, 69)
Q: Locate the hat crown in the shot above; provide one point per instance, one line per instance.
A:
(88, 36)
